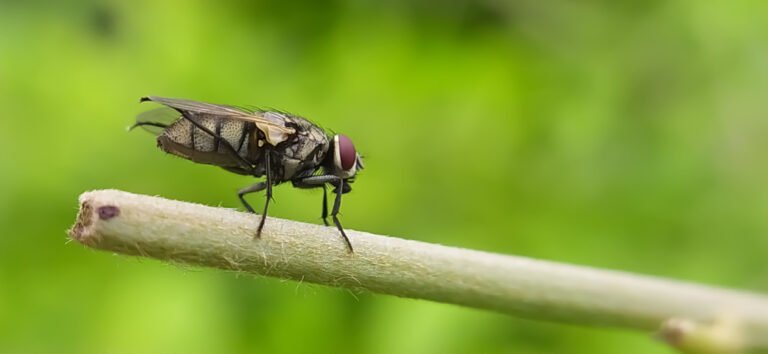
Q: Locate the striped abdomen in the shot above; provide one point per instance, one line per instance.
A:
(184, 139)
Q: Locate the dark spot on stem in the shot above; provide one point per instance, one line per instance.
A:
(108, 212)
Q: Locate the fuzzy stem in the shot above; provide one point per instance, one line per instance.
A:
(222, 238)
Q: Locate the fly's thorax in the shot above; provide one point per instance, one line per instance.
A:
(304, 152)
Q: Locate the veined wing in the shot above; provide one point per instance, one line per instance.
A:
(271, 124)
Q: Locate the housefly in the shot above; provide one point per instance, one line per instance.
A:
(279, 146)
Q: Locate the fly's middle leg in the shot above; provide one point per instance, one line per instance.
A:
(268, 172)
(324, 213)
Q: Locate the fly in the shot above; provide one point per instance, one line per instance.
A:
(275, 145)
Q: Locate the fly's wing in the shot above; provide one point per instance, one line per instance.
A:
(155, 121)
(271, 124)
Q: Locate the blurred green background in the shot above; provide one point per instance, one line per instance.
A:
(628, 135)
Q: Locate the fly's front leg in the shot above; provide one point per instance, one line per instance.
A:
(316, 182)
(311, 181)
(258, 187)
(335, 212)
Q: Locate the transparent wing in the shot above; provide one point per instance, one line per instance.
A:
(155, 121)
(273, 125)
(196, 106)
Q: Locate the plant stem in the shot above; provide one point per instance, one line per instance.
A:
(222, 238)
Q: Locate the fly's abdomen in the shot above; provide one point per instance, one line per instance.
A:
(184, 139)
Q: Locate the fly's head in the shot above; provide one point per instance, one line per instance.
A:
(346, 160)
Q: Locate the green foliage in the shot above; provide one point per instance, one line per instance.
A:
(627, 135)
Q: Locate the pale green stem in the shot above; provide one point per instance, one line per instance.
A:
(216, 237)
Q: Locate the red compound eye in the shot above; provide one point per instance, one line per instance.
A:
(347, 153)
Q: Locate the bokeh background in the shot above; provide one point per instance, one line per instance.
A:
(628, 135)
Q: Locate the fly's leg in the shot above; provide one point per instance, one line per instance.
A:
(258, 187)
(338, 182)
(324, 213)
(268, 172)
(335, 212)
(317, 182)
